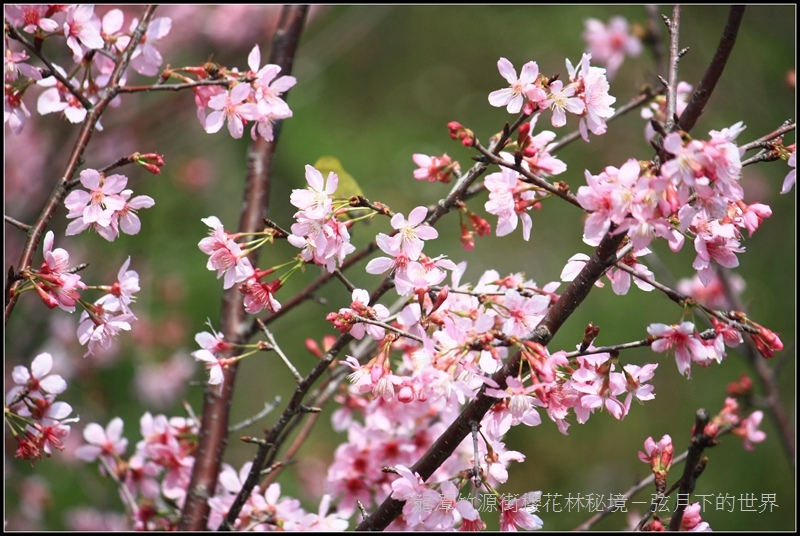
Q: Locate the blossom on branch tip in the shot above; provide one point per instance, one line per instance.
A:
(520, 88)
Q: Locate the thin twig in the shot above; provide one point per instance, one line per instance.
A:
(672, 83)
(277, 350)
(268, 408)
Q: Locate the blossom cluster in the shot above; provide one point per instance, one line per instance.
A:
(585, 95)
(154, 479)
(85, 33)
(322, 237)
(38, 421)
(106, 206)
(58, 285)
(445, 346)
(254, 96)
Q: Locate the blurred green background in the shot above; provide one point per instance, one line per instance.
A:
(375, 85)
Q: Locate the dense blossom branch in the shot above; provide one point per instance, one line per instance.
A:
(84, 135)
(216, 406)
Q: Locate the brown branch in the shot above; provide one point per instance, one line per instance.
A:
(84, 135)
(700, 96)
(694, 465)
(216, 405)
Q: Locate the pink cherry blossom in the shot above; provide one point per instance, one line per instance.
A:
(146, 58)
(609, 44)
(82, 27)
(14, 111)
(225, 255)
(38, 381)
(316, 200)
(688, 347)
(411, 232)
(99, 329)
(55, 284)
(32, 16)
(748, 430)
(107, 442)
(561, 100)
(790, 179)
(97, 206)
(517, 512)
(514, 96)
(231, 107)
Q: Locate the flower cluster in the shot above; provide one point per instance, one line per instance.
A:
(586, 95)
(417, 383)
(95, 45)
(107, 206)
(699, 188)
(321, 235)
(154, 479)
(256, 97)
(56, 285)
(38, 421)
(102, 321)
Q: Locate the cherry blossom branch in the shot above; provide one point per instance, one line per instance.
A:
(653, 37)
(267, 449)
(536, 180)
(216, 405)
(613, 348)
(277, 350)
(180, 87)
(643, 98)
(767, 377)
(763, 141)
(603, 258)
(84, 135)
(15, 34)
(700, 96)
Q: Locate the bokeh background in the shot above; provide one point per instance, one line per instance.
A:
(375, 85)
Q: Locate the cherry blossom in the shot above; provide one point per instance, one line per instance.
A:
(55, 284)
(98, 205)
(14, 111)
(31, 17)
(123, 289)
(82, 27)
(146, 58)
(231, 107)
(37, 382)
(790, 179)
(514, 96)
(225, 255)
(688, 347)
(609, 44)
(99, 328)
(748, 430)
(107, 442)
(435, 168)
(562, 99)
(316, 200)
(517, 512)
